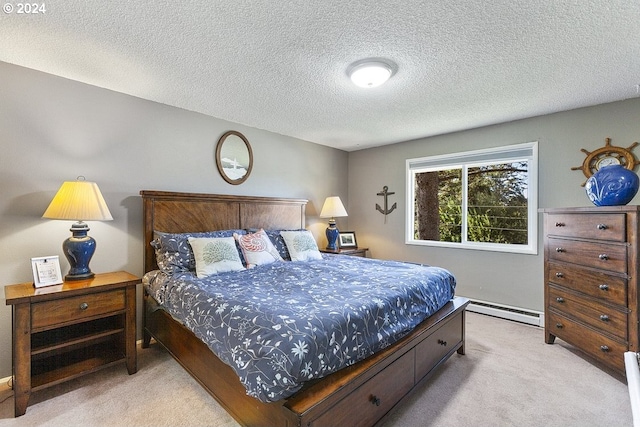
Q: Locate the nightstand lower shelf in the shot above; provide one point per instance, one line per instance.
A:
(72, 364)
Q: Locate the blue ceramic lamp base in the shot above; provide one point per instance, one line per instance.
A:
(79, 249)
(332, 235)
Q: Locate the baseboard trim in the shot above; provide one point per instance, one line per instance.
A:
(517, 314)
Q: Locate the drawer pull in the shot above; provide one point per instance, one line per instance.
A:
(559, 275)
(559, 250)
(603, 257)
(441, 342)
(602, 226)
(559, 325)
(84, 306)
(604, 348)
(603, 287)
(374, 400)
(559, 224)
(604, 317)
(560, 300)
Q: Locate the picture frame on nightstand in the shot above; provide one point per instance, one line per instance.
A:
(347, 239)
(46, 271)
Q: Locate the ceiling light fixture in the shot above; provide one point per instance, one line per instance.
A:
(370, 72)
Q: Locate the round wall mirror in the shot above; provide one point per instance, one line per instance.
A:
(234, 157)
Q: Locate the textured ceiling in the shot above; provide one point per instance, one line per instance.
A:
(281, 66)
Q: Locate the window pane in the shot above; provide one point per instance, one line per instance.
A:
(483, 199)
(438, 205)
(498, 204)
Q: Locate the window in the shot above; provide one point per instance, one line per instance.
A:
(485, 199)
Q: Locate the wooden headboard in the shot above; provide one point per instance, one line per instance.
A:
(196, 212)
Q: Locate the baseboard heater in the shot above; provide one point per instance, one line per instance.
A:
(507, 312)
(633, 382)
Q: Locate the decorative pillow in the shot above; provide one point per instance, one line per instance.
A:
(301, 245)
(278, 242)
(215, 255)
(257, 248)
(173, 252)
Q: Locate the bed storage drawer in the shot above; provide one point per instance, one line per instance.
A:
(437, 345)
(373, 399)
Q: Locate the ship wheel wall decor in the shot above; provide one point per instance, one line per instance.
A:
(606, 156)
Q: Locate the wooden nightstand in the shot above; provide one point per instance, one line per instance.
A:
(64, 331)
(361, 252)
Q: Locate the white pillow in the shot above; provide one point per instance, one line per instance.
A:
(215, 255)
(257, 248)
(301, 245)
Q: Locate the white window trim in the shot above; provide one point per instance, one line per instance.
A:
(527, 151)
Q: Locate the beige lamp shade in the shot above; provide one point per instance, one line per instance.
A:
(79, 201)
(333, 208)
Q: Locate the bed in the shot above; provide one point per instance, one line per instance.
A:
(361, 393)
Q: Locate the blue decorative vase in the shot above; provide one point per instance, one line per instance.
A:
(612, 185)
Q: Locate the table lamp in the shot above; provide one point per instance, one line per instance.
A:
(79, 200)
(331, 209)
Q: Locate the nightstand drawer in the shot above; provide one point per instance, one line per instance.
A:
(361, 252)
(68, 310)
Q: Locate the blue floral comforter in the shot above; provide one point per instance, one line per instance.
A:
(281, 324)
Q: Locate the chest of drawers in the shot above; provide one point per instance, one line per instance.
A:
(591, 280)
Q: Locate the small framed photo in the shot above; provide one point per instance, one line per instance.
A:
(347, 239)
(46, 271)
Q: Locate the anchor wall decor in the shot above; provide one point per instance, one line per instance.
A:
(385, 193)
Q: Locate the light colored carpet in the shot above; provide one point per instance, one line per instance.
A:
(509, 377)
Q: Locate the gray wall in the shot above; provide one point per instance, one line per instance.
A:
(53, 130)
(510, 279)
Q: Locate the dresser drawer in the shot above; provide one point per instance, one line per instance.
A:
(600, 255)
(609, 288)
(373, 399)
(439, 343)
(604, 349)
(610, 227)
(69, 310)
(589, 311)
